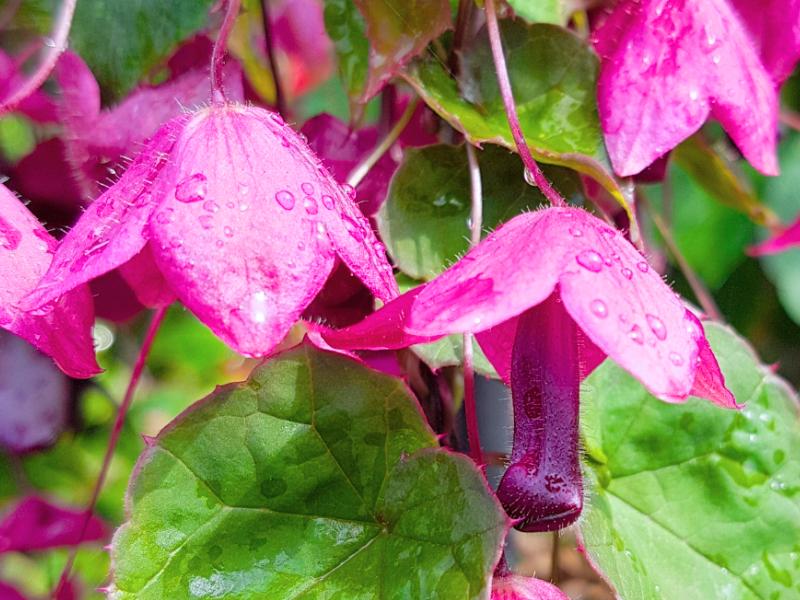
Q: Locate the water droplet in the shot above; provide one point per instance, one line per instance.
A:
(276, 118)
(355, 230)
(10, 236)
(206, 221)
(219, 243)
(575, 232)
(636, 335)
(657, 326)
(227, 231)
(327, 201)
(310, 205)
(286, 199)
(693, 329)
(715, 59)
(244, 188)
(192, 189)
(643, 266)
(529, 178)
(349, 190)
(590, 260)
(210, 206)
(243, 206)
(676, 359)
(607, 231)
(608, 262)
(627, 273)
(230, 204)
(307, 188)
(599, 308)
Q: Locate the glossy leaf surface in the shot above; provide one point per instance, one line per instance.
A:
(425, 219)
(694, 501)
(553, 74)
(315, 478)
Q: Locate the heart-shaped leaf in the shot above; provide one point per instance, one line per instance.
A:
(553, 73)
(425, 219)
(315, 478)
(693, 501)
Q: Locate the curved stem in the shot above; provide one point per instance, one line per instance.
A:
(220, 49)
(475, 225)
(136, 373)
(280, 98)
(463, 17)
(55, 46)
(503, 81)
(360, 171)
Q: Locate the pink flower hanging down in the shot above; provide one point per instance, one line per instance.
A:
(667, 65)
(240, 218)
(61, 327)
(622, 307)
(785, 240)
(517, 587)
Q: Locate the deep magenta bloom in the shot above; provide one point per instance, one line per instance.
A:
(61, 327)
(239, 217)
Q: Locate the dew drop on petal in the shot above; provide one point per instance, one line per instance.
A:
(219, 243)
(206, 221)
(575, 231)
(643, 266)
(627, 273)
(599, 308)
(307, 188)
(349, 190)
(355, 230)
(310, 205)
(192, 189)
(676, 359)
(210, 206)
(636, 335)
(165, 216)
(590, 260)
(285, 199)
(327, 201)
(657, 326)
(227, 231)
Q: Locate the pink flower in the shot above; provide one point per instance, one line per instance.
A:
(622, 307)
(785, 240)
(61, 327)
(669, 65)
(517, 587)
(239, 217)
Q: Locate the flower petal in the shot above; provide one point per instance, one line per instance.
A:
(667, 66)
(517, 587)
(148, 284)
(234, 236)
(787, 239)
(112, 230)
(61, 328)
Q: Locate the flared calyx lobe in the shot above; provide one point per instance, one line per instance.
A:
(668, 66)
(542, 487)
(622, 307)
(61, 327)
(237, 215)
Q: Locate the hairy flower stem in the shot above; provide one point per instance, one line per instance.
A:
(475, 225)
(503, 81)
(220, 49)
(543, 488)
(55, 47)
(361, 170)
(280, 98)
(136, 373)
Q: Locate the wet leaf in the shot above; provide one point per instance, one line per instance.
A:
(542, 11)
(317, 477)
(694, 501)
(553, 74)
(425, 219)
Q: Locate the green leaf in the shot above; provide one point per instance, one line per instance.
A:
(694, 501)
(553, 73)
(716, 175)
(780, 193)
(348, 32)
(122, 43)
(317, 477)
(541, 11)
(425, 219)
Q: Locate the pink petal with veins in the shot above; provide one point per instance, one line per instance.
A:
(112, 230)
(621, 305)
(60, 327)
(249, 227)
(148, 284)
(786, 240)
(670, 64)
